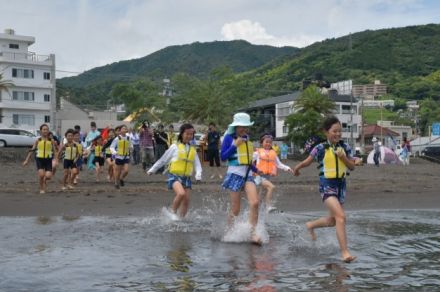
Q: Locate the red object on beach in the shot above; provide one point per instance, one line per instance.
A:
(104, 133)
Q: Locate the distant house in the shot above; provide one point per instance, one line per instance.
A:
(69, 115)
(273, 111)
(385, 135)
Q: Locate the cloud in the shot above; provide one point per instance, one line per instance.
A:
(255, 33)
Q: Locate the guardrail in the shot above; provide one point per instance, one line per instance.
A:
(25, 57)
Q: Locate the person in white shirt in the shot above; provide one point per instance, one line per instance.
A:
(134, 137)
(120, 148)
(182, 159)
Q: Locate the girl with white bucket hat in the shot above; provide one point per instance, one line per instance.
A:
(238, 150)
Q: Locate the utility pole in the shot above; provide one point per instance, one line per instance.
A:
(351, 122)
(362, 125)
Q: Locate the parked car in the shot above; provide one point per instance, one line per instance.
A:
(431, 151)
(16, 137)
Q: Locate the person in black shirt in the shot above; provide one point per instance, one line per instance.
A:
(161, 139)
(213, 142)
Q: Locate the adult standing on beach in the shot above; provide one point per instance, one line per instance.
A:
(89, 139)
(135, 141)
(376, 149)
(161, 139)
(213, 141)
(146, 145)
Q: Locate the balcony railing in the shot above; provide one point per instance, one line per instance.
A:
(32, 57)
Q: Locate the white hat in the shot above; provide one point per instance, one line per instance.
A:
(374, 139)
(240, 119)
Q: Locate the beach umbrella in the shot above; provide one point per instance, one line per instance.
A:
(387, 156)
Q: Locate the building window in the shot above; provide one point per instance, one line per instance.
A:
(22, 73)
(23, 96)
(404, 135)
(47, 97)
(1, 116)
(14, 46)
(46, 76)
(23, 119)
(285, 129)
(47, 119)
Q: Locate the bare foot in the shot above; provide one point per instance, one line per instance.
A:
(311, 231)
(255, 239)
(347, 257)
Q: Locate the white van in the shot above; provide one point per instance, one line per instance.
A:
(16, 137)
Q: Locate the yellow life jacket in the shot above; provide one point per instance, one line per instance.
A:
(184, 164)
(267, 161)
(98, 151)
(80, 149)
(244, 156)
(123, 146)
(71, 151)
(44, 148)
(332, 165)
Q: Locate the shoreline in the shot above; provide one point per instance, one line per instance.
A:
(392, 187)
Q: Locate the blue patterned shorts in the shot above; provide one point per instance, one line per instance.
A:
(235, 182)
(184, 180)
(332, 188)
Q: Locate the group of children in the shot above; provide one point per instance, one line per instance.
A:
(114, 150)
(246, 169)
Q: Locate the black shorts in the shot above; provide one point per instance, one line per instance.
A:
(99, 160)
(69, 164)
(44, 163)
(109, 156)
(122, 161)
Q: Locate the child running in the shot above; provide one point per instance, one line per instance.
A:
(108, 155)
(98, 150)
(71, 155)
(267, 165)
(45, 148)
(79, 162)
(182, 159)
(237, 149)
(120, 148)
(334, 157)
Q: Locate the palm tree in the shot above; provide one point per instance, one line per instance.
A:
(309, 111)
(5, 84)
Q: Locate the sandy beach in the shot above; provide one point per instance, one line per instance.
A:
(369, 187)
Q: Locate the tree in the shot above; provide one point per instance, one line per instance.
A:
(309, 111)
(4, 84)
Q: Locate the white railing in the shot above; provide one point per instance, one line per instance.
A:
(25, 57)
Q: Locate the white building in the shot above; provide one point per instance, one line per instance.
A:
(345, 105)
(31, 101)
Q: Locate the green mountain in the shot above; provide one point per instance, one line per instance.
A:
(404, 58)
(196, 59)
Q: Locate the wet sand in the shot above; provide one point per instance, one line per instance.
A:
(386, 187)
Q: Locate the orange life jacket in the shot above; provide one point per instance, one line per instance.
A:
(267, 161)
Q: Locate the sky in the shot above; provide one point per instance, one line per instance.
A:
(84, 34)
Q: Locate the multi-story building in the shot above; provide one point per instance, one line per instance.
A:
(31, 100)
(369, 91)
(273, 112)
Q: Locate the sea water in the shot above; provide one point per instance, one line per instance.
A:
(396, 250)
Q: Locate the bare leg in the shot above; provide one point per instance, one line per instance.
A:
(179, 197)
(235, 207)
(65, 177)
(124, 171)
(185, 203)
(254, 202)
(117, 174)
(42, 180)
(269, 190)
(328, 221)
(338, 213)
(97, 170)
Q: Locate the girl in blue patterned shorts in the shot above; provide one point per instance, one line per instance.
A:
(334, 157)
(238, 151)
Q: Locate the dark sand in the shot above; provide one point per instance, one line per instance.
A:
(387, 187)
